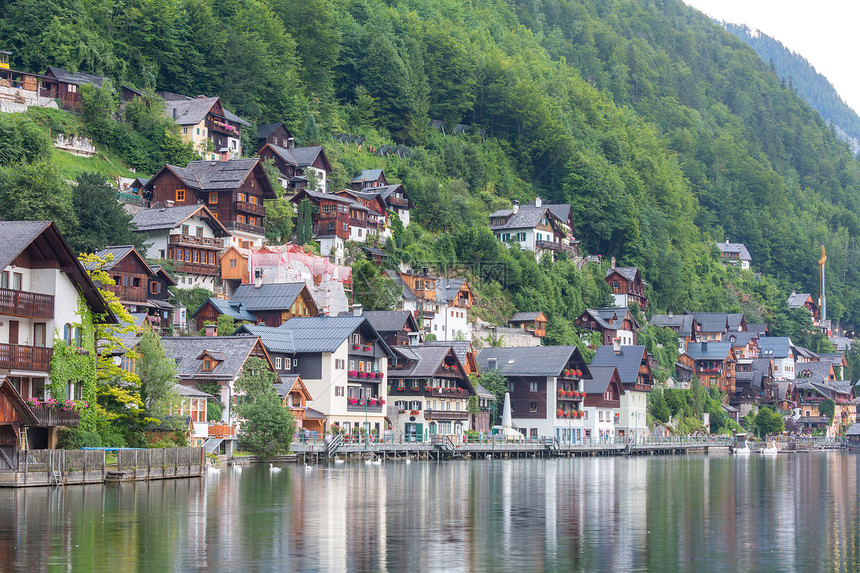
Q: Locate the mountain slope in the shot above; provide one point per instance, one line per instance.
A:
(813, 87)
(664, 131)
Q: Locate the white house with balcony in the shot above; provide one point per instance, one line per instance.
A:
(41, 282)
(191, 235)
(343, 363)
(537, 228)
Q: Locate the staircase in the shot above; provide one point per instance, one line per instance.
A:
(333, 445)
(212, 444)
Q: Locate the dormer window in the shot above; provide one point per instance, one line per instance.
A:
(208, 365)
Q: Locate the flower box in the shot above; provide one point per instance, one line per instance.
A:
(362, 374)
(380, 375)
(559, 413)
(353, 373)
(582, 394)
(561, 392)
(368, 347)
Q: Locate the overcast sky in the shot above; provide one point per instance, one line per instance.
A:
(822, 31)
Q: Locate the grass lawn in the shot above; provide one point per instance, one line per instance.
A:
(70, 166)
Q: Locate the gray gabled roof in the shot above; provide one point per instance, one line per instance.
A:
(609, 318)
(273, 338)
(708, 350)
(683, 322)
(192, 111)
(267, 297)
(287, 381)
(741, 338)
(190, 392)
(447, 289)
(318, 196)
(214, 175)
(77, 78)
(161, 218)
(185, 350)
(750, 378)
(527, 217)
(775, 347)
(628, 273)
(627, 361)
(528, 361)
(461, 347)
(712, 321)
(267, 129)
(759, 327)
(735, 248)
(525, 316)
(235, 310)
(735, 320)
(391, 320)
(601, 376)
(797, 300)
(119, 253)
(853, 430)
(425, 361)
(298, 156)
(562, 211)
(327, 333)
(815, 372)
(367, 175)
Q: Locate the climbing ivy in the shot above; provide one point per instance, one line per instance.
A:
(78, 364)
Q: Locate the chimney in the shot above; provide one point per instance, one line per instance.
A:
(174, 114)
(291, 143)
(169, 203)
(356, 310)
(727, 240)
(425, 271)
(616, 345)
(225, 154)
(211, 330)
(704, 346)
(612, 264)
(670, 314)
(537, 201)
(258, 278)
(515, 205)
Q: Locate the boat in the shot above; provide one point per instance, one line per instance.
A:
(742, 451)
(770, 450)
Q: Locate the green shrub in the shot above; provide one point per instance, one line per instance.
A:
(77, 438)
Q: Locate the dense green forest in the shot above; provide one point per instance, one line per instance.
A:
(664, 131)
(801, 76)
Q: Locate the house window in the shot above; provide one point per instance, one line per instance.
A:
(4, 279)
(184, 131)
(240, 197)
(213, 198)
(211, 258)
(232, 263)
(533, 386)
(199, 231)
(155, 287)
(128, 364)
(352, 364)
(207, 365)
(184, 229)
(180, 195)
(338, 390)
(240, 218)
(39, 333)
(135, 282)
(198, 131)
(278, 362)
(17, 280)
(187, 255)
(533, 407)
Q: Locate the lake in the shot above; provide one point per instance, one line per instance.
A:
(686, 513)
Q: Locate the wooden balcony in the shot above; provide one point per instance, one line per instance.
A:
(49, 416)
(195, 241)
(26, 304)
(252, 208)
(397, 201)
(198, 269)
(449, 393)
(20, 357)
(130, 293)
(427, 314)
(446, 415)
(366, 408)
(246, 227)
(222, 430)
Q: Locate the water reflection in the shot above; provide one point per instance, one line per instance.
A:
(717, 513)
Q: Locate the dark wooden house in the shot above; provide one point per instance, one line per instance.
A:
(15, 416)
(267, 304)
(275, 134)
(296, 164)
(627, 286)
(233, 189)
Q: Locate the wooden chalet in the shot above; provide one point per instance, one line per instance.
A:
(275, 134)
(68, 84)
(139, 287)
(713, 363)
(295, 396)
(804, 300)
(396, 327)
(368, 178)
(627, 286)
(232, 189)
(270, 304)
(610, 323)
(339, 217)
(538, 228)
(191, 235)
(297, 164)
(535, 322)
(212, 129)
(603, 392)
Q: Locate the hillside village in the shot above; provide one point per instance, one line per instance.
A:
(426, 366)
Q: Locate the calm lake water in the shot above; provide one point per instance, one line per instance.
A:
(696, 513)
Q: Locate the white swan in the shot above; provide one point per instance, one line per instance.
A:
(237, 468)
(339, 460)
(274, 469)
(408, 461)
(368, 461)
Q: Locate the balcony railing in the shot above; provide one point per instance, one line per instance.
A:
(49, 416)
(365, 408)
(449, 393)
(222, 430)
(198, 269)
(196, 241)
(26, 304)
(129, 293)
(246, 227)
(445, 415)
(21, 357)
(398, 201)
(253, 208)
